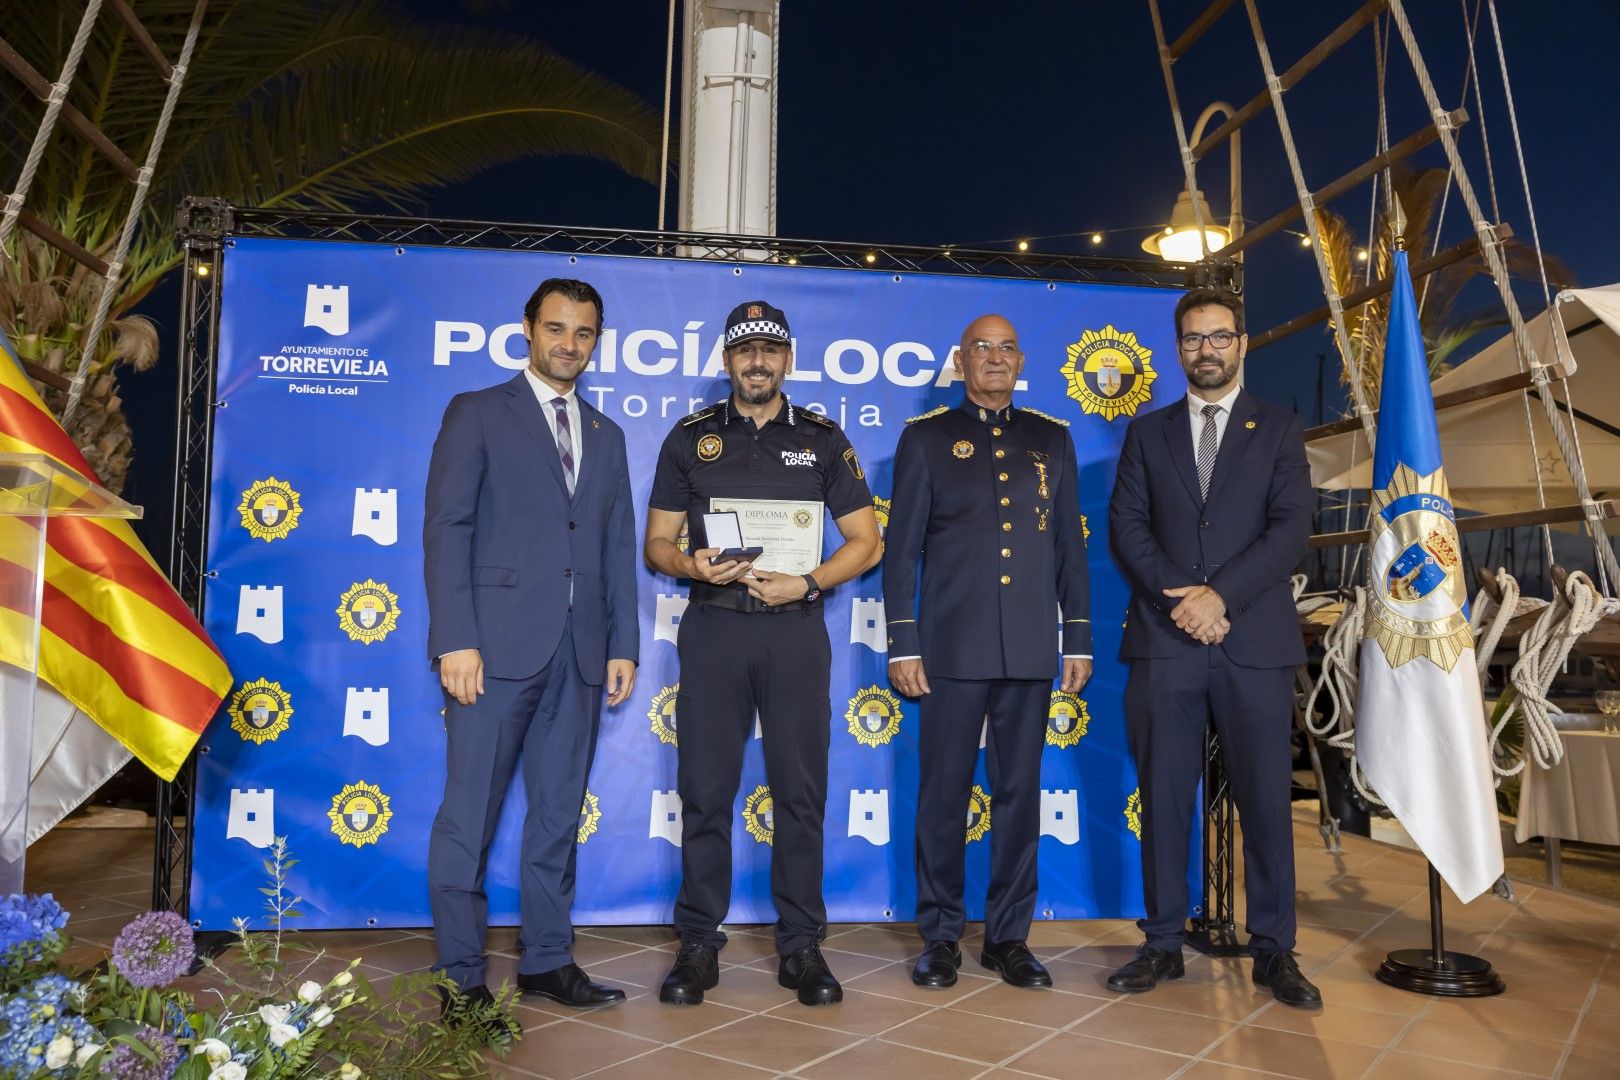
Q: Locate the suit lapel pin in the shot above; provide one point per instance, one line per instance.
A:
(1249, 424)
(598, 423)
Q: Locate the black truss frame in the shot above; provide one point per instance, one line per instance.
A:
(207, 226)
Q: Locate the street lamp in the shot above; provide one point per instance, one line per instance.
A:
(1179, 241)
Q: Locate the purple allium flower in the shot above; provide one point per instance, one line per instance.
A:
(122, 1062)
(154, 949)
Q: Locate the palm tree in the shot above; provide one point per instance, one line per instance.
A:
(1444, 327)
(293, 104)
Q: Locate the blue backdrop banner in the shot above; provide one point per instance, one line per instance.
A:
(335, 363)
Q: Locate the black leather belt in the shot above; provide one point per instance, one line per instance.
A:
(738, 598)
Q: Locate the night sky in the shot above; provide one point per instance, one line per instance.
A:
(979, 124)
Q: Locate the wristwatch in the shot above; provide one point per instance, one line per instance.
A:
(814, 592)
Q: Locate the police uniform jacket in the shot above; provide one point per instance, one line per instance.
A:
(717, 453)
(988, 503)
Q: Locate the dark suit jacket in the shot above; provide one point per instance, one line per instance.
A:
(998, 555)
(503, 542)
(1244, 542)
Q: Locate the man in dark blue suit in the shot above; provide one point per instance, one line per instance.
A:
(1209, 516)
(529, 539)
(986, 500)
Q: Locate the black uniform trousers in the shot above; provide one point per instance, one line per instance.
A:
(1168, 705)
(732, 664)
(953, 716)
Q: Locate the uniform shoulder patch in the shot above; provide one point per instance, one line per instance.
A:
(701, 414)
(817, 418)
(930, 413)
(1043, 416)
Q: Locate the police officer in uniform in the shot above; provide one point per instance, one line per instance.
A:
(752, 640)
(986, 499)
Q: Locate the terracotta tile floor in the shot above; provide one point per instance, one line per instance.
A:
(1559, 953)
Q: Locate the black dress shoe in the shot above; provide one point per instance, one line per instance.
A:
(937, 965)
(806, 971)
(1144, 973)
(697, 968)
(472, 1007)
(1016, 964)
(570, 986)
(1279, 972)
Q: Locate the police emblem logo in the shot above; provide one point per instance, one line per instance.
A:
(1109, 372)
(802, 518)
(259, 711)
(1067, 719)
(873, 716)
(881, 508)
(962, 449)
(269, 509)
(854, 463)
(683, 542)
(360, 814)
(978, 814)
(759, 815)
(708, 447)
(368, 611)
(590, 813)
(1133, 813)
(755, 311)
(1418, 607)
(662, 715)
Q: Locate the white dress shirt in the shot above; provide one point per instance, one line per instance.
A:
(1195, 415)
(546, 394)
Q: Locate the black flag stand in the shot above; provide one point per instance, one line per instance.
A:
(1434, 970)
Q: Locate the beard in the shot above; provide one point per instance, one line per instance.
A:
(1212, 380)
(749, 395)
(565, 369)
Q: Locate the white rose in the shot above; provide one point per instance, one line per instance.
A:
(59, 1052)
(274, 1014)
(282, 1034)
(229, 1070)
(86, 1052)
(310, 991)
(321, 1016)
(214, 1050)
(350, 1071)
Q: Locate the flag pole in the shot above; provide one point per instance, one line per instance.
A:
(1434, 970)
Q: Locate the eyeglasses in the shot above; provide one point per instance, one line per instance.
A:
(1221, 339)
(981, 349)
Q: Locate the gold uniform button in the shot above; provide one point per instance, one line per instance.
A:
(1001, 453)
(995, 431)
(1006, 579)
(1002, 477)
(1006, 553)
(1006, 501)
(1006, 526)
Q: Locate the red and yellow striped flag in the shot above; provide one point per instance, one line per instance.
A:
(115, 638)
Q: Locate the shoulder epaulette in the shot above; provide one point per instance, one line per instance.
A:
(701, 414)
(816, 418)
(1043, 416)
(930, 413)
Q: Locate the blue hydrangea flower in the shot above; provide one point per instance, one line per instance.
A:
(154, 949)
(34, 1016)
(27, 923)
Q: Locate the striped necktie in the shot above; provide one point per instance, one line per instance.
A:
(1206, 450)
(565, 441)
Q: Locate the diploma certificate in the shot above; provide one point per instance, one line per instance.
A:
(790, 532)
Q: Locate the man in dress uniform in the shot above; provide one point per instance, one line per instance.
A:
(1207, 538)
(986, 498)
(754, 638)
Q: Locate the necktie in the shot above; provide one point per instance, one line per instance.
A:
(1206, 449)
(565, 441)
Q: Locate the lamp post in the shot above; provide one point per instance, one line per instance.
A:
(1179, 241)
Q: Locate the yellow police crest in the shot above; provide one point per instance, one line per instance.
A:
(1067, 719)
(873, 715)
(590, 812)
(1109, 372)
(368, 611)
(359, 814)
(1416, 603)
(881, 508)
(978, 814)
(708, 447)
(759, 815)
(259, 711)
(662, 714)
(683, 542)
(1133, 813)
(269, 509)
